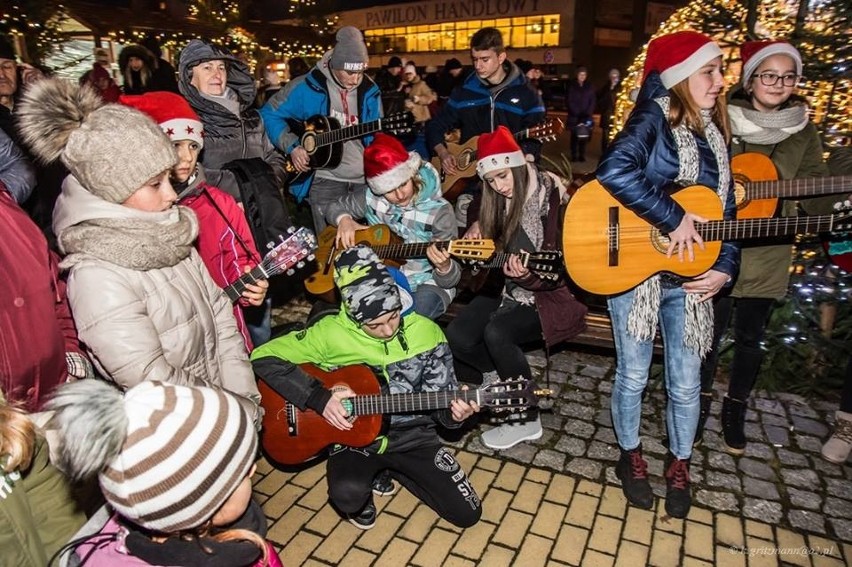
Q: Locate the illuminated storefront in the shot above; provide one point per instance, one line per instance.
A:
(431, 32)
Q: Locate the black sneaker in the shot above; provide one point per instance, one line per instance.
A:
(383, 485)
(632, 470)
(678, 497)
(366, 518)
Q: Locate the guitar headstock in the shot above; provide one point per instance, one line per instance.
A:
(472, 249)
(842, 218)
(547, 264)
(511, 394)
(546, 131)
(290, 252)
(398, 123)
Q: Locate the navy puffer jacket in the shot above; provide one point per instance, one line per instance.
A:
(641, 165)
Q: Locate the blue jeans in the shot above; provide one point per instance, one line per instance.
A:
(682, 372)
(259, 322)
(428, 302)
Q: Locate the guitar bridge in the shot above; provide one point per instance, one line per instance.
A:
(613, 236)
(292, 422)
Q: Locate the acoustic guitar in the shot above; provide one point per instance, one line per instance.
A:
(388, 246)
(453, 184)
(288, 254)
(292, 436)
(322, 137)
(757, 187)
(609, 249)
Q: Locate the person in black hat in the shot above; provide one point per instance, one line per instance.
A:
(389, 81)
(450, 78)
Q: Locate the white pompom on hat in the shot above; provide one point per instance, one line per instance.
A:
(387, 164)
(498, 150)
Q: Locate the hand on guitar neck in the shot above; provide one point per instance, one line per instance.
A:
(255, 292)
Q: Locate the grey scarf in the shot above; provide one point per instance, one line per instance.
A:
(229, 100)
(767, 128)
(131, 242)
(643, 317)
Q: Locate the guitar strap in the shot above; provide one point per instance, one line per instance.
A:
(252, 254)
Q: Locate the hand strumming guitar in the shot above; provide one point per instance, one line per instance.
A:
(448, 160)
(346, 229)
(300, 158)
(335, 413)
(685, 237)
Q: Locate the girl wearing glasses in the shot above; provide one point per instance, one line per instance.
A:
(766, 117)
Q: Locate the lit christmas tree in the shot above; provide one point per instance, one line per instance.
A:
(34, 25)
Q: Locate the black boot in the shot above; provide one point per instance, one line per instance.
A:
(678, 497)
(706, 400)
(632, 470)
(733, 425)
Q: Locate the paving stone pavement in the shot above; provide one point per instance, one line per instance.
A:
(557, 501)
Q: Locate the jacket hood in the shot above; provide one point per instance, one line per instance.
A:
(652, 87)
(136, 51)
(513, 76)
(239, 77)
(75, 205)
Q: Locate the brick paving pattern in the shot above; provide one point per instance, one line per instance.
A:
(556, 501)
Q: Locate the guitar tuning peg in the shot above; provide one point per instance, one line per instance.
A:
(291, 271)
(270, 245)
(300, 264)
(311, 257)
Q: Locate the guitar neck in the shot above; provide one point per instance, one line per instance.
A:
(409, 250)
(805, 187)
(348, 133)
(405, 403)
(761, 228)
(236, 289)
(498, 260)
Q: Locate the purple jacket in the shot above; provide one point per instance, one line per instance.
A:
(581, 102)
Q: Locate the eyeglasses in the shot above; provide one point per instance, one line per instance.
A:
(771, 79)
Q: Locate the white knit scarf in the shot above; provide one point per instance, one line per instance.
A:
(767, 128)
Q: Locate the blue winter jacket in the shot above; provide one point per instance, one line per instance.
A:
(304, 97)
(476, 109)
(641, 164)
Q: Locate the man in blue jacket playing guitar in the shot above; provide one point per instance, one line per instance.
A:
(409, 354)
(336, 88)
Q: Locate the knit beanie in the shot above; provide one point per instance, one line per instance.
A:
(394, 62)
(678, 55)
(172, 112)
(112, 150)
(167, 456)
(387, 164)
(366, 286)
(452, 63)
(498, 150)
(754, 52)
(350, 51)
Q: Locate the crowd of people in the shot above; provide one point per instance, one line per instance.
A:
(128, 372)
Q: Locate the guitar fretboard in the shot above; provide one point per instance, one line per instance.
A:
(759, 228)
(348, 133)
(418, 249)
(403, 403)
(805, 187)
(236, 289)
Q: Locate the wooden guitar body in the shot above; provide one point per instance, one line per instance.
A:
(322, 281)
(453, 185)
(608, 249)
(746, 168)
(291, 436)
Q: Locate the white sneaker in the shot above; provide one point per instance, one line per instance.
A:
(511, 433)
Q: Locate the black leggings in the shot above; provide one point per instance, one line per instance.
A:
(750, 316)
(431, 473)
(487, 337)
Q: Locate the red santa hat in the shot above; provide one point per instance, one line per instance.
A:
(387, 164)
(172, 112)
(754, 52)
(498, 150)
(678, 55)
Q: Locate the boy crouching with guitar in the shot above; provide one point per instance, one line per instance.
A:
(406, 350)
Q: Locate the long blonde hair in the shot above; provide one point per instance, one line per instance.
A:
(494, 221)
(17, 437)
(684, 110)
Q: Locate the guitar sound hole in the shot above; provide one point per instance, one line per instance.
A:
(309, 142)
(659, 241)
